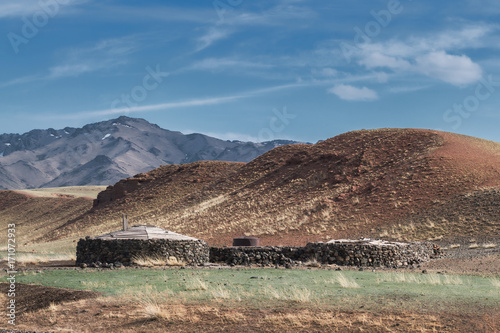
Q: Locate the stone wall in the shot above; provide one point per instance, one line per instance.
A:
(370, 253)
(262, 255)
(98, 252)
(354, 253)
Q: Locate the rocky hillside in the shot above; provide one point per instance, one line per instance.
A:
(391, 183)
(105, 152)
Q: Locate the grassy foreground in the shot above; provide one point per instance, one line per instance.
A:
(346, 290)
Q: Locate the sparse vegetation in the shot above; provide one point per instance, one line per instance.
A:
(421, 279)
(346, 282)
(196, 284)
(156, 260)
(495, 282)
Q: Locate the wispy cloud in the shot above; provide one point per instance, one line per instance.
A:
(283, 13)
(117, 11)
(325, 72)
(179, 104)
(157, 107)
(220, 64)
(213, 35)
(105, 54)
(20, 8)
(407, 89)
(351, 93)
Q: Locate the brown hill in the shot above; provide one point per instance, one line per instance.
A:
(392, 183)
(36, 217)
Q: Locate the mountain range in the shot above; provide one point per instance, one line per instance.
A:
(103, 153)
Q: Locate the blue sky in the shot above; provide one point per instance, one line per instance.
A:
(252, 70)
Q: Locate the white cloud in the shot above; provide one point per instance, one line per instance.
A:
(456, 70)
(375, 60)
(433, 56)
(179, 104)
(216, 64)
(213, 35)
(351, 93)
(69, 70)
(469, 36)
(275, 16)
(118, 11)
(325, 72)
(105, 54)
(20, 8)
(407, 89)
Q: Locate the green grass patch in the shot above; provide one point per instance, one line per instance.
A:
(274, 287)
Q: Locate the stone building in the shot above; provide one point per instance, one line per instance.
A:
(123, 246)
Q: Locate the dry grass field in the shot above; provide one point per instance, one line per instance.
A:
(256, 300)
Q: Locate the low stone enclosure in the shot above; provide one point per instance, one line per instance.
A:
(364, 252)
(121, 247)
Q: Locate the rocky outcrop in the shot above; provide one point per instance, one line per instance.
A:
(121, 189)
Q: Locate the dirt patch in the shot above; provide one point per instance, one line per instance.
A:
(31, 298)
(475, 265)
(104, 315)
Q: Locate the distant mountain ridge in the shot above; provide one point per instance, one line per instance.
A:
(103, 153)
